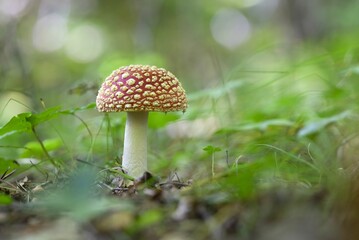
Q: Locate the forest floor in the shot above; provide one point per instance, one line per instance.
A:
(154, 208)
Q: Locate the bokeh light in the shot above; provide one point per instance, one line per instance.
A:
(85, 43)
(12, 103)
(230, 28)
(49, 32)
(12, 8)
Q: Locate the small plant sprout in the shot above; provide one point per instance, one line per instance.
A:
(211, 150)
(137, 90)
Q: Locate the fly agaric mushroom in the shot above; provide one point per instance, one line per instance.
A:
(137, 90)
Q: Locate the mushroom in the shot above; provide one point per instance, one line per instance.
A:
(137, 90)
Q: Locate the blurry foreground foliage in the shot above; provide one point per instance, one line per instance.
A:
(268, 148)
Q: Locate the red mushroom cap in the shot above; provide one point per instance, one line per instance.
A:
(141, 88)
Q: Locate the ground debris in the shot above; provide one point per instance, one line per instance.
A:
(171, 208)
(149, 186)
(114, 221)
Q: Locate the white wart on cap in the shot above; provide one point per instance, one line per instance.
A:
(141, 88)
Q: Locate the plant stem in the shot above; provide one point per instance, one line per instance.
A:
(213, 164)
(43, 147)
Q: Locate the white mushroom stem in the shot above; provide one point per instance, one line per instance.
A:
(134, 159)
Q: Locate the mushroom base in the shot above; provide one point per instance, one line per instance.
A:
(134, 159)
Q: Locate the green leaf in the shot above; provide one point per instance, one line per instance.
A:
(315, 126)
(73, 110)
(23, 122)
(35, 149)
(76, 198)
(292, 156)
(7, 165)
(37, 118)
(261, 126)
(5, 199)
(149, 218)
(16, 124)
(242, 179)
(211, 149)
(351, 70)
(158, 120)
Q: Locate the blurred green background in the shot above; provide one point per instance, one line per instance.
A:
(249, 67)
(48, 48)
